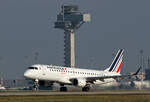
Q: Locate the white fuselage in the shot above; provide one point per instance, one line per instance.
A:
(63, 74)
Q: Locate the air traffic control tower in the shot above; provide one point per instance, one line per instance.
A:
(70, 19)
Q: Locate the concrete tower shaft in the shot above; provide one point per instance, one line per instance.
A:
(70, 19)
(69, 48)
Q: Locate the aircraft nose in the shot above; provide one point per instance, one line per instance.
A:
(27, 74)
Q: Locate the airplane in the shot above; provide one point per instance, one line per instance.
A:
(76, 76)
(2, 88)
(1, 84)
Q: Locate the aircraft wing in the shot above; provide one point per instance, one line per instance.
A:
(91, 79)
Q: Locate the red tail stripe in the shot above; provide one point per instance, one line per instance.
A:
(119, 67)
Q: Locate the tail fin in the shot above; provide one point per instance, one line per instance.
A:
(136, 73)
(116, 64)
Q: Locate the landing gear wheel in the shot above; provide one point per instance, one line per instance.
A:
(85, 89)
(63, 89)
(36, 85)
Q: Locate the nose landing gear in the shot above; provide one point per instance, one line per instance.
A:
(36, 84)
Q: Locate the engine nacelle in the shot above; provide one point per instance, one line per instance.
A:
(79, 82)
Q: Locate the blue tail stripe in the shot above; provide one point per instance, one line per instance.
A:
(116, 63)
(115, 60)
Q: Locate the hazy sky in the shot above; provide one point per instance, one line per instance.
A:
(27, 27)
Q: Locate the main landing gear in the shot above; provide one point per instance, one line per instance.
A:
(86, 88)
(63, 88)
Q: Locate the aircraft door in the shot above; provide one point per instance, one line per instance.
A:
(44, 72)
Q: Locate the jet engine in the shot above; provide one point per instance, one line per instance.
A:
(79, 82)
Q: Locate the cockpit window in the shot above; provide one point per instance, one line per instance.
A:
(33, 68)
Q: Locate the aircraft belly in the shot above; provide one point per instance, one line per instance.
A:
(106, 82)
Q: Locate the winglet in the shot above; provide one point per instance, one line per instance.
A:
(137, 71)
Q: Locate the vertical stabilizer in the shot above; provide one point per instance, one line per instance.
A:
(117, 62)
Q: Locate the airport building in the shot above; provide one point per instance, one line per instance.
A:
(147, 71)
(147, 74)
